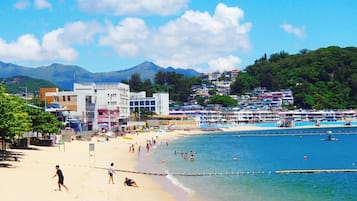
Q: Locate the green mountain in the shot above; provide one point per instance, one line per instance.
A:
(65, 75)
(23, 84)
(321, 79)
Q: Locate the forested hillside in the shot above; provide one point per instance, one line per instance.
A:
(18, 84)
(322, 79)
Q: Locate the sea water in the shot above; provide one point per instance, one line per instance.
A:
(242, 165)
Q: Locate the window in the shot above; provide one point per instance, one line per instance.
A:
(147, 102)
(152, 102)
(141, 102)
(63, 98)
(68, 98)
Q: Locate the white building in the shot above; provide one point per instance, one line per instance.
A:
(95, 104)
(111, 104)
(158, 104)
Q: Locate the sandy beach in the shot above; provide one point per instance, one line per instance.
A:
(85, 172)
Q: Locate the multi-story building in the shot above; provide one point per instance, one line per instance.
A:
(111, 103)
(68, 105)
(158, 103)
(99, 106)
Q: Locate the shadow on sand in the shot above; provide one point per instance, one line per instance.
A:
(7, 156)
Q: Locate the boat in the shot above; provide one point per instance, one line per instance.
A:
(329, 137)
(287, 123)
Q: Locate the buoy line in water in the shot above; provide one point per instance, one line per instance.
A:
(252, 173)
(311, 171)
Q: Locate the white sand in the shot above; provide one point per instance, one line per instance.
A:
(86, 176)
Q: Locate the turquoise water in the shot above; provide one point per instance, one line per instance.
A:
(261, 153)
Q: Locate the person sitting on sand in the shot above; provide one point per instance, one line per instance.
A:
(130, 182)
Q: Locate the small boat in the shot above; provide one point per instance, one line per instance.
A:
(329, 137)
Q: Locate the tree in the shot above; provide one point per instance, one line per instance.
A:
(43, 122)
(224, 100)
(14, 121)
(201, 101)
(135, 83)
(323, 78)
(177, 85)
(243, 83)
(147, 86)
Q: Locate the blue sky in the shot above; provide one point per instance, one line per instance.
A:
(206, 35)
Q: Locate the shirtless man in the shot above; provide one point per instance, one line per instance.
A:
(60, 178)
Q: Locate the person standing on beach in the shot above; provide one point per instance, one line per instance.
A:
(111, 173)
(60, 178)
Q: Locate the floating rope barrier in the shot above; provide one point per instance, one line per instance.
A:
(252, 173)
(316, 171)
(191, 174)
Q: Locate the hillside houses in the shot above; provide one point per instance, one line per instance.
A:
(260, 98)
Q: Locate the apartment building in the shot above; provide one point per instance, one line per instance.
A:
(158, 103)
(98, 105)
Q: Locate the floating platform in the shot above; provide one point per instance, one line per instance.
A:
(315, 171)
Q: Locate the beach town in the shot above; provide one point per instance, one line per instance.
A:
(103, 138)
(178, 100)
(85, 166)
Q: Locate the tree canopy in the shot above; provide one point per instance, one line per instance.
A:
(322, 79)
(224, 100)
(177, 85)
(16, 117)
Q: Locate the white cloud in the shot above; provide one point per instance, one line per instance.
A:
(127, 38)
(55, 45)
(20, 5)
(81, 32)
(28, 48)
(298, 32)
(42, 4)
(224, 64)
(133, 7)
(193, 39)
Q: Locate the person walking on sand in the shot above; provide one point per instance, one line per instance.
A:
(60, 178)
(111, 173)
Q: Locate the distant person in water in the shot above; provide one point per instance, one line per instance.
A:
(130, 182)
(60, 178)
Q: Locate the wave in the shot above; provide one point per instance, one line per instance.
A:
(177, 183)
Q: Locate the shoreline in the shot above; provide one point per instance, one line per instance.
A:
(176, 188)
(86, 174)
